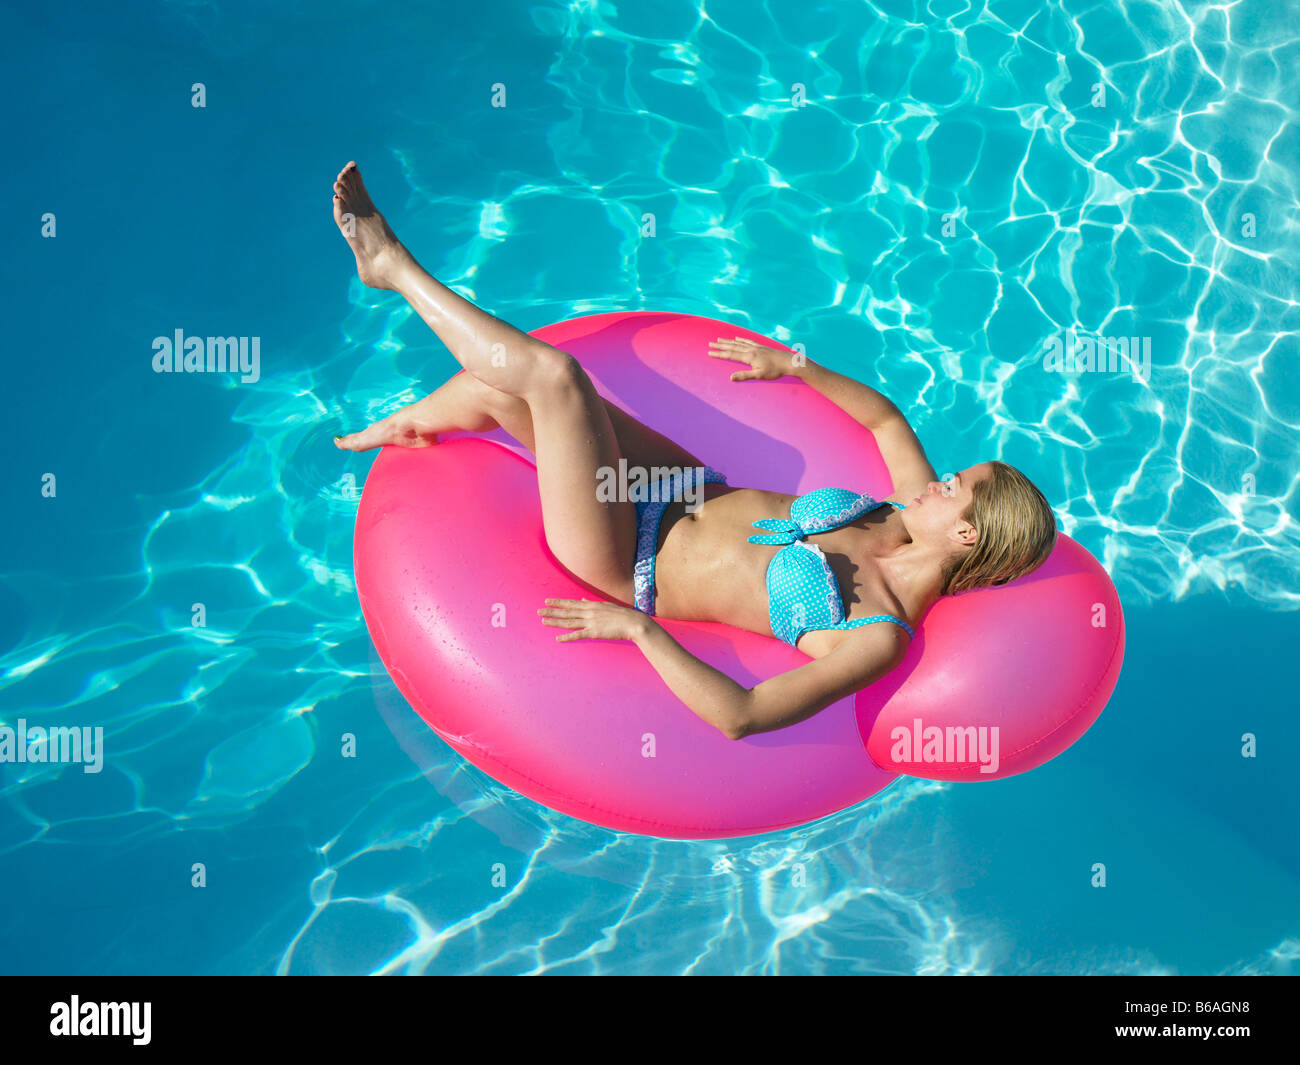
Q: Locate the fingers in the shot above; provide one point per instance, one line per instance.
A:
(746, 375)
(565, 607)
(736, 350)
(566, 621)
(566, 614)
(589, 619)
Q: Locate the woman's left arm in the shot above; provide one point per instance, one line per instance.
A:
(905, 458)
(736, 711)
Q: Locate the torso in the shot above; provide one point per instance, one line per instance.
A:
(707, 570)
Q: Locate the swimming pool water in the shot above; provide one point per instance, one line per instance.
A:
(921, 193)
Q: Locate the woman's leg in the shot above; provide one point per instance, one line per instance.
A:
(572, 432)
(459, 404)
(465, 403)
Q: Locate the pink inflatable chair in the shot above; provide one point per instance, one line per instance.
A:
(452, 565)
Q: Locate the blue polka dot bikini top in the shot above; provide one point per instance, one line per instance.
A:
(802, 592)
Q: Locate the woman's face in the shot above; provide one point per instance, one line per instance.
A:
(937, 513)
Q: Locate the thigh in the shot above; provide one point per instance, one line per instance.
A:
(573, 432)
(591, 533)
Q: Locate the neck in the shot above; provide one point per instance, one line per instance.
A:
(915, 573)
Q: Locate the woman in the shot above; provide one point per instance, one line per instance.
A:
(842, 577)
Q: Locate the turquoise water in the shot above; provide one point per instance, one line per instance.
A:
(813, 214)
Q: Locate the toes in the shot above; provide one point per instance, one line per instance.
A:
(347, 178)
(363, 441)
(351, 177)
(348, 186)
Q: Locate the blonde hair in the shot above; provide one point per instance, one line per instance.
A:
(1016, 530)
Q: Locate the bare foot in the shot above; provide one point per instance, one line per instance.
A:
(379, 253)
(412, 426)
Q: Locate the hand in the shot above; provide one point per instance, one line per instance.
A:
(766, 364)
(593, 620)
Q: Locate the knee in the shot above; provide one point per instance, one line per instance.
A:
(556, 371)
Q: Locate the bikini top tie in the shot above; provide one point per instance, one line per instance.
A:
(802, 592)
